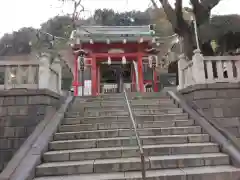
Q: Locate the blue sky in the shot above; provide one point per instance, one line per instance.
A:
(15, 14)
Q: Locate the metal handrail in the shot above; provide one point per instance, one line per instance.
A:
(137, 135)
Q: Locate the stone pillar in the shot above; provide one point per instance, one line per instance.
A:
(44, 72)
(181, 64)
(198, 67)
(56, 66)
(46, 80)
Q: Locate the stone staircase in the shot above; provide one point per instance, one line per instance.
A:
(96, 142)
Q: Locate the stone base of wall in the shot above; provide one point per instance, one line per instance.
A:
(219, 101)
(20, 111)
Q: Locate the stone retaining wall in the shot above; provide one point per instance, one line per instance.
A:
(219, 101)
(20, 111)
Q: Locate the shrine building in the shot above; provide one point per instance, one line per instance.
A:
(115, 57)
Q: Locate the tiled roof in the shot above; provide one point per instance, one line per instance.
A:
(114, 30)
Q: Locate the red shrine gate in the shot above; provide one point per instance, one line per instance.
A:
(118, 52)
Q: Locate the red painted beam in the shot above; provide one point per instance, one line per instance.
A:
(115, 55)
(118, 45)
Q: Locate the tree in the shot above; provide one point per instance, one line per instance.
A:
(184, 28)
(76, 12)
(60, 26)
(104, 17)
(107, 17)
(18, 42)
(224, 30)
(163, 27)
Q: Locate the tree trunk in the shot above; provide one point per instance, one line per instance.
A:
(188, 44)
(200, 9)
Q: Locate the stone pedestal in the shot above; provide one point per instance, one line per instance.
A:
(20, 111)
(219, 101)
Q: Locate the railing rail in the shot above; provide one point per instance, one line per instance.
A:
(30, 75)
(208, 70)
(137, 135)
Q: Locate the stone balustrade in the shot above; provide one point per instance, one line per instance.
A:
(33, 74)
(208, 70)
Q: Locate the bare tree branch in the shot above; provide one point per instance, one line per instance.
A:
(76, 13)
(154, 4)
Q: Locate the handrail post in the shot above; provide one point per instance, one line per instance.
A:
(137, 136)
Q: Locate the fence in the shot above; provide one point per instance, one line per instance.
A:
(34, 74)
(208, 70)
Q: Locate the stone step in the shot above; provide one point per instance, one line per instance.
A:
(76, 126)
(101, 99)
(107, 113)
(75, 108)
(133, 151)
(70, 125)
(203, 173)
(126, 141)
(127, 132)
(167, 103)
(193, 173)
(131, 164)
(150, 98)
(99, 104)
(153, 106)
(151, 101)
(116, 109)
(139, 118)
(147, 94)
(122, 97)
(124, 112)
(158, 111)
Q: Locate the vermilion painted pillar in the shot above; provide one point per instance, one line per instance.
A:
(94, 76)
(98, 79)
(133, 79)
(140, 72)
(155, 81)
(75, 81)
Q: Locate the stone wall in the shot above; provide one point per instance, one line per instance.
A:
(219, 101)
(20, 112)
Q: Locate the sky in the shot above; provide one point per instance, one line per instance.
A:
(15, 14)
